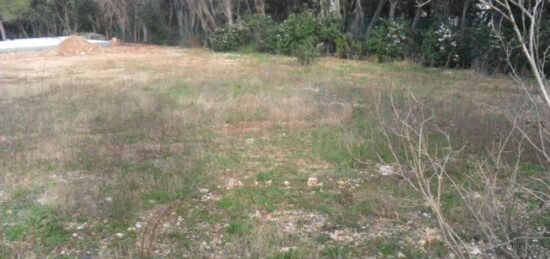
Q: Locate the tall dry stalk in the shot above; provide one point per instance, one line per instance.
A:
(488, 191)
(525, 18)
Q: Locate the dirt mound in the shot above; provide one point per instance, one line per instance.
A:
(76, 45)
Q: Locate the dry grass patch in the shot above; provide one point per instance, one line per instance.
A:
(147, 136)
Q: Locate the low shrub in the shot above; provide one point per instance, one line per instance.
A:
(262, 32)
(307, 51)
(348, 47)
(296, 31)
(440, 45)
(330, 31)
(481, 50)
(230, 37)
(391, 40)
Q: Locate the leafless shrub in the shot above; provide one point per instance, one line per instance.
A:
(525, 18)
(491, 190)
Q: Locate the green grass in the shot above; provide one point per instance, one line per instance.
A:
(338, 252)
(23, 219)
(113, 156)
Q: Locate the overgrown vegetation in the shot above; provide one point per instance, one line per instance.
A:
(183, 163)
(149, 152)
(440, 33)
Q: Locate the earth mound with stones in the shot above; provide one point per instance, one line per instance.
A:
(76, 45)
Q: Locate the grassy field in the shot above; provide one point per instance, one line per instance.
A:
(165, 152)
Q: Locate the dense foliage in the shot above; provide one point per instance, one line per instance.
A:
(391, 40)
(299, 33)
(441, 33)
(440, 45)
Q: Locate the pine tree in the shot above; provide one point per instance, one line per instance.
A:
(10, 10)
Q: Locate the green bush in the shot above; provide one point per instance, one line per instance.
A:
(262, 32)
(330, 31)
(230, 37)
(347, 47)
(296, 31)
(440, 46)
(301, 35)
(481, 50)
(307, 51)
(391, 40)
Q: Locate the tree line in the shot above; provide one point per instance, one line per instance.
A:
(439, 32)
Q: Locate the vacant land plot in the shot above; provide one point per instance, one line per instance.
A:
(142, 151)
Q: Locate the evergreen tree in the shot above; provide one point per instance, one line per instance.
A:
(11, 10)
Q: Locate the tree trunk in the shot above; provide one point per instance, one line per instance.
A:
(393, 6)
(228, 7)
(330, 8)
(441, 9)
(375, 17)
(464, 13)
(335, 8)
(260, 6)
(357, 26)
(22, 29)
(2, 31)
(417, 14)
(145, 33)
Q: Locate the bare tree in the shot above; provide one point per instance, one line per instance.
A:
(525, 18)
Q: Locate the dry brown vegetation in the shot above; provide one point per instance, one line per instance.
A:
(139, 151)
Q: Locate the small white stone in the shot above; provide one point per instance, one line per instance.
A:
(286, 249)
(386, 170)
(109, 199)
(312, 182)
(401, 255)
(41, 201)
(119, 235)
(138, 225)
(475, 251)
(286, 183)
